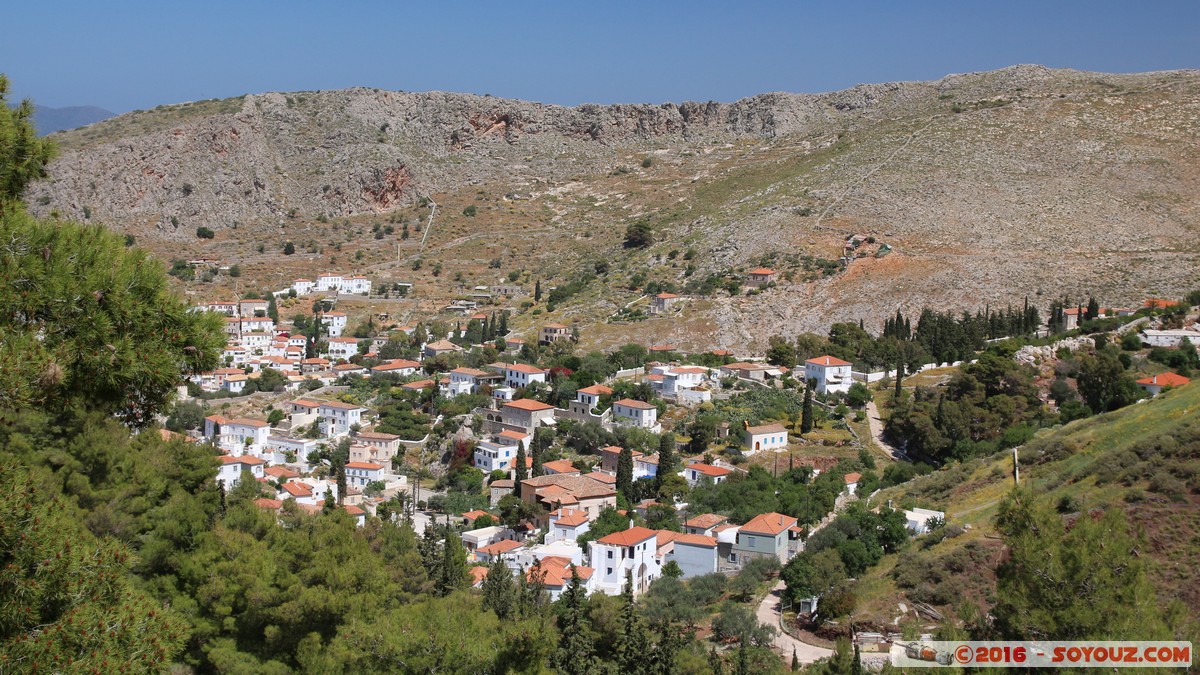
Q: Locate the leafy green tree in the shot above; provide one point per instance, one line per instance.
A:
(859, 395)
(638, 235)
(119, 345)
(23, 156)
(703, 432)
(1072, 581)
(185, 415)
(781, 352)
(1104, 384)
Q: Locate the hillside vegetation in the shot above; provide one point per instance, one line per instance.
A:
(1142, 461)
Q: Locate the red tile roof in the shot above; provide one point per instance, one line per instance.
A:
(525, 368)
(769, 523)
(766, 271)
(1165, 380)
(500, 547)
(852, 477)
(244, 459)
(596, 390)
(632, 403)
(634, 535)
(281, 472)
(528, 404)
(706, 521)
(364, 465)
(560, 466)
(827, 361)
(696, 540)
(569, 517)
(297, 489)
(710, 470)
(271, 504)
(472, 515)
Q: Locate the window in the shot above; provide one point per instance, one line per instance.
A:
(610, 558)
(610, 569)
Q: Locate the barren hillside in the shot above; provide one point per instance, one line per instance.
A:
(987, 186)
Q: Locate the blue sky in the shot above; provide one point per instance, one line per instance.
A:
(132, 54)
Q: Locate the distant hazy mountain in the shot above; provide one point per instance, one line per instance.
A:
(50, 120)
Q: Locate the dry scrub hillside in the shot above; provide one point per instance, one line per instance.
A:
(987, 186)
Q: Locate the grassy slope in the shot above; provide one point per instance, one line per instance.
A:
(1103, 462)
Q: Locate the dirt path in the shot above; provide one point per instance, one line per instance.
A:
(768, 615)
(876, 424)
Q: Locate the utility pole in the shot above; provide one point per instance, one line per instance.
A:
(1016, 470)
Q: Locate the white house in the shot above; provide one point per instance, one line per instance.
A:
(361, 474)
(235, 383)
(338, 417)
(334, 323)
(589, 397)
(567, 524)
(645, 466)
(244, 436)
(917, 520)
(357, 285)
(465, 381)
(832, 374)
(631, 551)
(303, 286)
(630, 412)
(1170, 338)
(234, 355)
(329, 282)
(518, 375)
(700, 472)
(494, 456)
(705, 524)
(1156, 383)
(680, 378)
(852, 480)
(764, 437)
(401, 367)
(230, 472)
(342, 348)
(696, 554)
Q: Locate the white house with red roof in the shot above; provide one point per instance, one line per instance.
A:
(401, 367)
(589, 397)
(852, 480)
(337, 417)
(361, 474)
(505, 549)
(664, 302)
(232, 468)
(358, 285)
(632, 551)
(633, 413)
(769, 437)
(767, 534)
(700, 473)
(1156, 383)
(520, 375)
(243, 435)
(705, 524)
(341, 348)
(567, 524)
(466, 381)
(832, 374)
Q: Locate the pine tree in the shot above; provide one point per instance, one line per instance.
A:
(23, 155)
(576, 651)
(663, 656)
(429, 548)
(500, 590)
(625, 473)
(806, 419)
(633, 644)
(522, 471)
(453, 565)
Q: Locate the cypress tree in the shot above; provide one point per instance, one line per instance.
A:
(625, 473)
(537, 462)
(667, 462)
(795, 660)
(503, 323)
(537, 291)
(899, 377)
(522, 472)
(806, 419)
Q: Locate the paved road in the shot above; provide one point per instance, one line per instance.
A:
(768, 614)
(876, 425)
